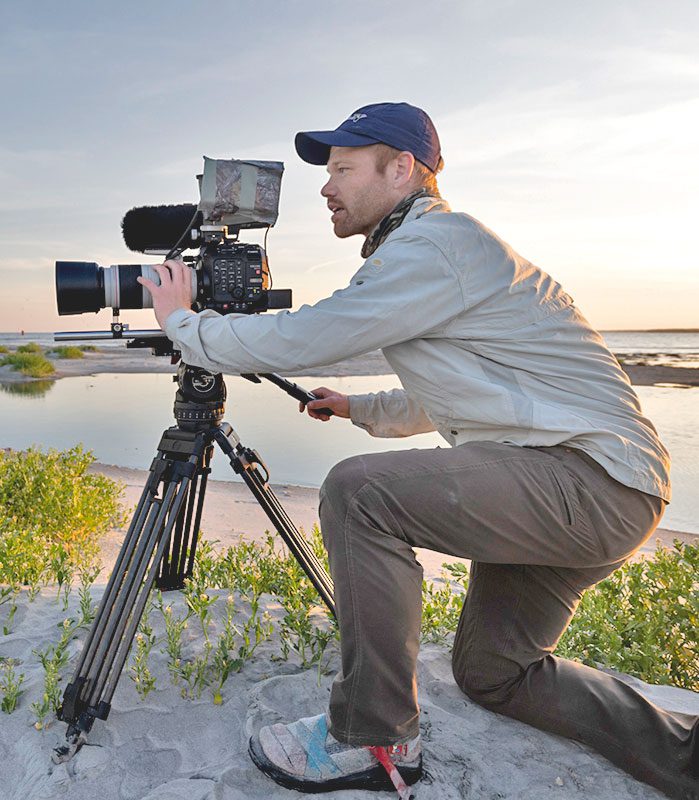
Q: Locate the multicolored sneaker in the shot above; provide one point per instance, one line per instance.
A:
(305, 756)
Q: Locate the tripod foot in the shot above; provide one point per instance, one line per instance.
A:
(65, 752)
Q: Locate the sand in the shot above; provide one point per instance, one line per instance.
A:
(170, 748)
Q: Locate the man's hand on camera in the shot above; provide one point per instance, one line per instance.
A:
(175, 290)
(327, 398)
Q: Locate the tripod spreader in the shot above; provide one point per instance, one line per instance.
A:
(160, 544)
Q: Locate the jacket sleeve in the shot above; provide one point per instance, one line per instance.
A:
(387, 414)
(403, 291)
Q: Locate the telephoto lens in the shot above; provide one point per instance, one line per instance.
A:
(83, 286)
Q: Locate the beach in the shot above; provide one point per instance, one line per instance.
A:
(170, 747)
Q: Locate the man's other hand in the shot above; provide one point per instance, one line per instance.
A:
(327, 398)
(175, 290)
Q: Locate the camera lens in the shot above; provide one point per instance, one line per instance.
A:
(83, 286)
(79, 287)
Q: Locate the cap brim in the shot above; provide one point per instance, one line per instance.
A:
(314, 146)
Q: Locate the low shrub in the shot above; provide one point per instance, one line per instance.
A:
(643, 620)
(50, 499)
(30, 347)
(67, 351)
(32, 364)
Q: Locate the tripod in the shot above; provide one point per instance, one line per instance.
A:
(161, 541)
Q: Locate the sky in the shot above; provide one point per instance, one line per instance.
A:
(570, 129)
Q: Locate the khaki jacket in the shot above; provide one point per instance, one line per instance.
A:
(487, 347)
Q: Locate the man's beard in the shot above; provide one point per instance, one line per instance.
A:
(368, 212)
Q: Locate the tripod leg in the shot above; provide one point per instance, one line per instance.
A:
(178, 561)
(246, 463)
(88, 696)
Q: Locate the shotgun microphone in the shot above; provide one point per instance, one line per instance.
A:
(156, 229)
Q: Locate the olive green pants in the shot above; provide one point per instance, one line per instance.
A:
(541, 526)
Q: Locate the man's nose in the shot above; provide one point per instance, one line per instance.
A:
(328, 190)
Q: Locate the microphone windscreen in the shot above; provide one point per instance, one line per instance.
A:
(149, 228)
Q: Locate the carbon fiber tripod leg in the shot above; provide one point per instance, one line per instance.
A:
(171, 501)
(249, 465)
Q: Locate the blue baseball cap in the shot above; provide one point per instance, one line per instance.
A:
(398, 125)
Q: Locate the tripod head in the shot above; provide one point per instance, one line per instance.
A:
(200, 398)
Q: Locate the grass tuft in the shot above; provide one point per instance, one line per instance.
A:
(67, 351)
(32, 364)
(30, 347)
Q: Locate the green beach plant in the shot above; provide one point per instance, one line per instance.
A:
(51, 498)
(53, 659)
(67, 351)
(10, 684)
(174, 628)
(139, 671)
(88, 609)
(441, 609)
(33, 365)
(30, 347)
(643, 620)
(194, 673)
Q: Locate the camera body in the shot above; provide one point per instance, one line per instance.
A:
(233, 277)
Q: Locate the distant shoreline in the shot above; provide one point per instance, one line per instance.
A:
(117, 360)
(29, 334)
(651, 330)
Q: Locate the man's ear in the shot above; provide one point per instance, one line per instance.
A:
(404, 167)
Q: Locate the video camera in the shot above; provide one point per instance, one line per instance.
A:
(228, 276)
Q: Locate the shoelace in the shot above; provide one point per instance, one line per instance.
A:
(381, 755)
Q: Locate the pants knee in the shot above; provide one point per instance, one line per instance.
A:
(489, 680)
(343, 481)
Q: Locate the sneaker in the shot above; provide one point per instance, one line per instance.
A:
(305, 756)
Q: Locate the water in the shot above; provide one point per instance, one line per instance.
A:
(661, 349)
(120, 418)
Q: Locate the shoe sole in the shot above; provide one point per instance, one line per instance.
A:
(375, 779)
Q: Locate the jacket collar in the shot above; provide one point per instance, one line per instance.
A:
(411, 207)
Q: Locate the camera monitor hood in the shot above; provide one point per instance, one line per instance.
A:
(240, 194)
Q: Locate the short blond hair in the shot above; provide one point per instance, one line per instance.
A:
(423, 176)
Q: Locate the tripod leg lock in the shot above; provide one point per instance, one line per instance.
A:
(75, 712)
(246, 458)
(68, 712)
